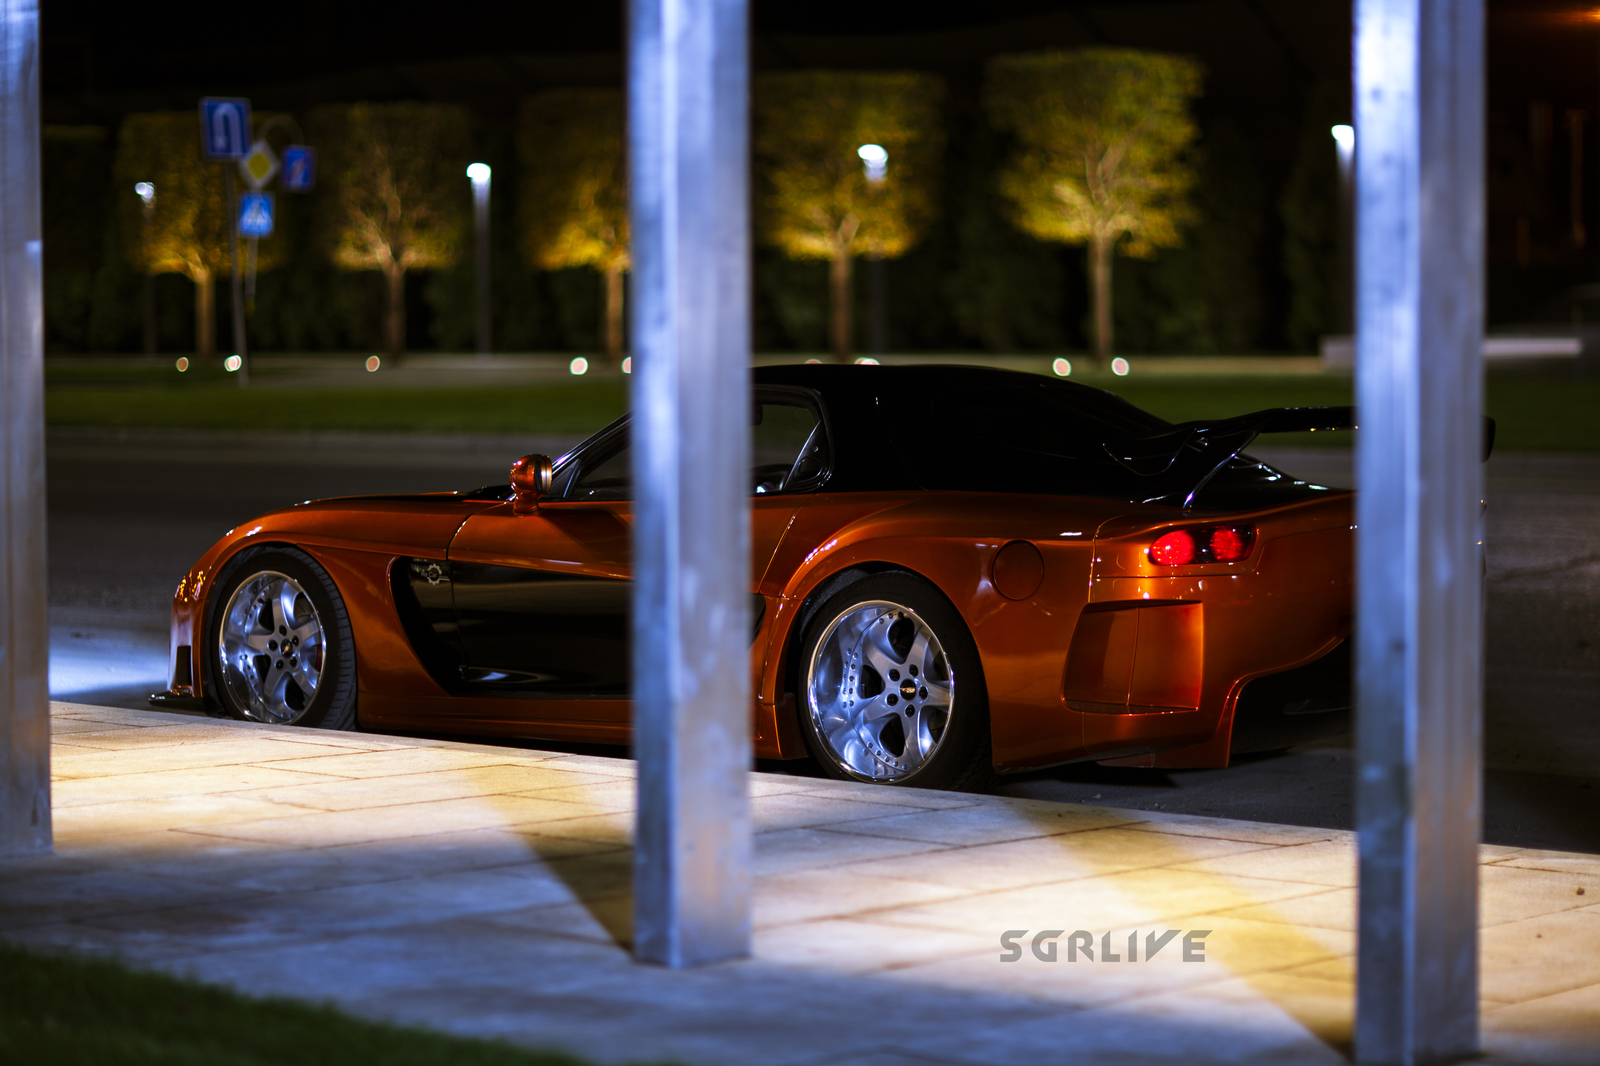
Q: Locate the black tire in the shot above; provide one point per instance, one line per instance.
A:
(250, 687)
(861, 725)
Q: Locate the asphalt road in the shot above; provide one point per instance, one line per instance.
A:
(128, 517)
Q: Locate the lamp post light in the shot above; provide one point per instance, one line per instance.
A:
(1344, 139)
(147, 192)
(876, 161)
(479, 173)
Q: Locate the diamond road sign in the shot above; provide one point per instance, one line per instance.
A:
(224, 127)
(299, 168)
(255, 214)
(258, 165)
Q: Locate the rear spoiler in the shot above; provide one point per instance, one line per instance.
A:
(1181, 461)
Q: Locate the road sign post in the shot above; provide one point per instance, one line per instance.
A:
(299, 168)
(224, 127)
(225, 136)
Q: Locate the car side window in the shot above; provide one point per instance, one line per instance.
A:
(788, 447)
(604, 472)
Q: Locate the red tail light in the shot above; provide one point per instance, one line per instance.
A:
(1173, 549)
(1208, 544)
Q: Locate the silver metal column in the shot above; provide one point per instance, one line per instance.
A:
(688, 111)
(1419, 177)
(24, 617)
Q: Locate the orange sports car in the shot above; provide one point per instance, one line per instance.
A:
(955, 571)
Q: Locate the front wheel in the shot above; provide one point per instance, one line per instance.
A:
(281, 650)
(892, 690)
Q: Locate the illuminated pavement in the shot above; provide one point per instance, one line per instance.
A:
(484, 890)
(120, 541)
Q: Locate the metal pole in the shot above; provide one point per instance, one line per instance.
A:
(235, 282)
(1419, 377)
(688, 86)
(24, 617)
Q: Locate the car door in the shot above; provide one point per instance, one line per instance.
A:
(542, 600)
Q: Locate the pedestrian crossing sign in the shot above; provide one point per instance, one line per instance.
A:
(255, 214)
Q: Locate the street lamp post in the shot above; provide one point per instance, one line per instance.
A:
(876, 161)
(479, 173)
(1344, 139)
(147, 193)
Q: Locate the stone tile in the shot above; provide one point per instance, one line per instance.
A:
(1330, 909)
(1586, 866)
(394, 762)
(801, 811)
(1324, 1011)
(784, 850)
(1230, 829)
(1165, 896)
(52, 896)
(502, 779)
(1017, 863)
(169, 784)
(1540, 956)
(1331, 864)
(807, 895)
(1562, 1029)
(990, 823)
(844, 945)
(605, 921)
(106, 821)
(232, 923)
(226, 751)
(613, 828)
(317, 829)
(898, 797)
(1509, 894)
(598, 793)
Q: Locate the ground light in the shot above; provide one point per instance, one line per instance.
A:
(627, 365)
(579, 365)
(182, 364)
(373, 363)
(1119, 367)
(232, 363)
(866, 360)
(1345, 136)
(1062, 368)
(876, 160)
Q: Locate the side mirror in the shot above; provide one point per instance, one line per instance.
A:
(530, 479)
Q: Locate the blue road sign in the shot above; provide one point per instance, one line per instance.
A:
(299, 168)
(224, 127)
(255, 214)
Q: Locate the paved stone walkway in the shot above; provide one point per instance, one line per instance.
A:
(485, 890)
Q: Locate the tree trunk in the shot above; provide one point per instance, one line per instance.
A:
(1100, 284)
(205, 314)
(613, 282)
(394, 325)
(839, 284)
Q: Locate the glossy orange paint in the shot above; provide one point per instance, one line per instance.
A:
(1090, 651)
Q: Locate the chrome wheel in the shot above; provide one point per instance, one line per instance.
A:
(879, 690)
(271, 648)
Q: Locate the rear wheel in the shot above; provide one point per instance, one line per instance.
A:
(280, 649)
(892, 690)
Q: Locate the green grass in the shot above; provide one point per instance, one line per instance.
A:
(1534, 414)
(576, 407)
(68, 1011)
